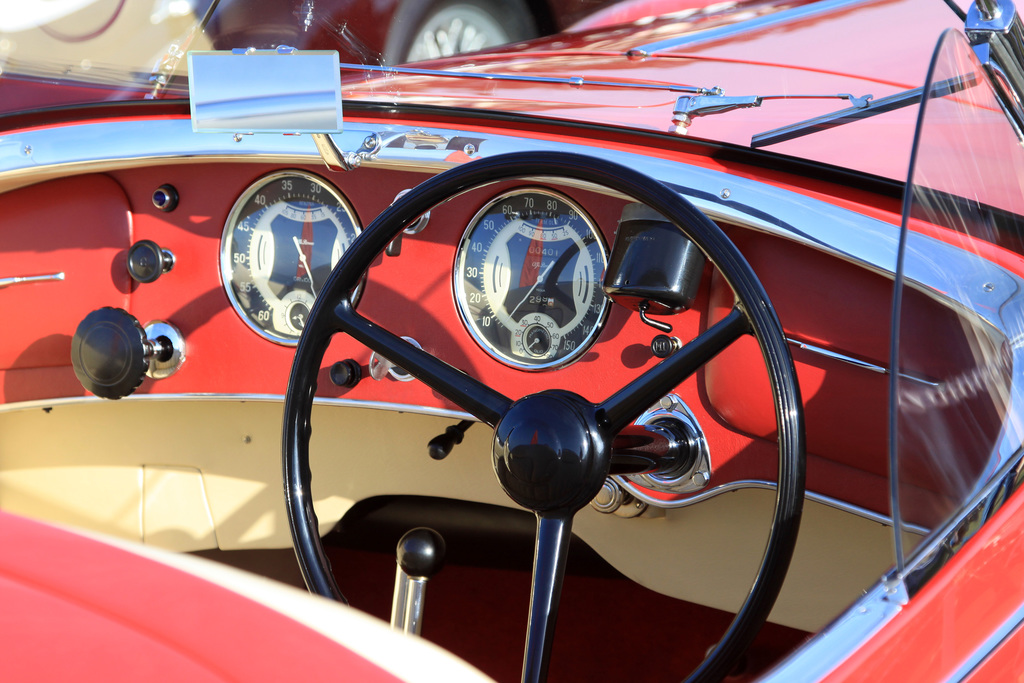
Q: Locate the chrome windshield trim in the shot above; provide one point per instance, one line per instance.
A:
(33, 155)
(862, 620)
(780, 18)
(822, 654)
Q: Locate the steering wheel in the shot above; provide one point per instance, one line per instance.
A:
(552, 450)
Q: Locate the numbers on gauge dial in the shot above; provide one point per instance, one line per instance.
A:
(528, 279)
(283, 237)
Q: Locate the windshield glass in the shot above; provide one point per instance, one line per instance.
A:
(958, 410)
(637, 64)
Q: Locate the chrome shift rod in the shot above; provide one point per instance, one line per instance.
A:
(420, 556)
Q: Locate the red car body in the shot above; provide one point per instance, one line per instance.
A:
(879, 296)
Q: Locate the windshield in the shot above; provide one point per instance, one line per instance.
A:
(958, 410)
(756, 73)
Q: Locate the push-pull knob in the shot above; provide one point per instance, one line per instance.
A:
(420, 556)
(147, 261)
(112, 353)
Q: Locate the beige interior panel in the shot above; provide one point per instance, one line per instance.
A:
(82, 463)
(175, 513)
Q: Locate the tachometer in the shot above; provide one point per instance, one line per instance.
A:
(528, 279)
(282, 238)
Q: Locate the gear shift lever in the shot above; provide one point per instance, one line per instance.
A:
(420, 556)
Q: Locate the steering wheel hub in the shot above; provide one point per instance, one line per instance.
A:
(548, 454)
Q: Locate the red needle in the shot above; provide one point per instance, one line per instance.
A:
(534, 257)
(306, 245)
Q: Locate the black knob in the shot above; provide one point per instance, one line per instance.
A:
(664, 346)
(346, 373)
(441, 446)
(110, 353)
(421, 553)
(147, 261)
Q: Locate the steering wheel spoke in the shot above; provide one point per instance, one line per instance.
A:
(554, 531)
(631, 401)
(471, 395)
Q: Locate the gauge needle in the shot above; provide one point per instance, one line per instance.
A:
(305, 263)
(540, 278)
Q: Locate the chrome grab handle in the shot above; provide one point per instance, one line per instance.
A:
(27, 279)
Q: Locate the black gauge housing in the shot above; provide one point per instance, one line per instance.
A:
(653, 266)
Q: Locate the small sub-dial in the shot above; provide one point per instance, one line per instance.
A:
(528, 279)
(283, 236)
(536, 336)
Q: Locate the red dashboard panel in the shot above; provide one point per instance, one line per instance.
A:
(412, 294)
(78, 227)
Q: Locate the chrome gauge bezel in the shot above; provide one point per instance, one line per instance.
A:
(461, 300)
(228, 247)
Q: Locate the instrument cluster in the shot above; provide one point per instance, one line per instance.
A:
(526, 278)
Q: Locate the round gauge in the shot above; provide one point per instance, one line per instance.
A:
(528, 279)
(283, 236)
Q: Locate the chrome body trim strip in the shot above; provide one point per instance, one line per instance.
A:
(780, 18)
(43, 404)
(997, 638)
(856, 362)
(640, 494)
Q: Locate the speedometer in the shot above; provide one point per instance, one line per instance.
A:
(282, 238)
(528, 279)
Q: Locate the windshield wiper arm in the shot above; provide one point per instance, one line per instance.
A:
(574, 81)
(690, 107)
(856, 113)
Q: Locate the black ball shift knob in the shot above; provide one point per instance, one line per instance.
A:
(421, 553)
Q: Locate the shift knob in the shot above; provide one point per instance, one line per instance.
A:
(421, 553)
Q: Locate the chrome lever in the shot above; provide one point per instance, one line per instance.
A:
(28, 279)
(420, 556)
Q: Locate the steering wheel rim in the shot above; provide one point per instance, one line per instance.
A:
(333, 312)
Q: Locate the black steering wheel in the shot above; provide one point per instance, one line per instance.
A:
(556, 433)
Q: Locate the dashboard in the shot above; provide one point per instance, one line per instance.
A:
(504, 281)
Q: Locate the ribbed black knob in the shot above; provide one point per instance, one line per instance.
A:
(109, 353)
(421, 553)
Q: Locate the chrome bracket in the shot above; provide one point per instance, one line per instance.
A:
(695, 478)
(996, 33)
(338, 160)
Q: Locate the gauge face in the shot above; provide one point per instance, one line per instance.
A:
(283, 236)
(528, 279)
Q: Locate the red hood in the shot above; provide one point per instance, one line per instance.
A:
(822, 48)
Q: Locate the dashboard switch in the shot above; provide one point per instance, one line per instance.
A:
(112, 353)
(147, 261)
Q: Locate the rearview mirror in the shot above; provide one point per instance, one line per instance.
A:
(265, 91)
